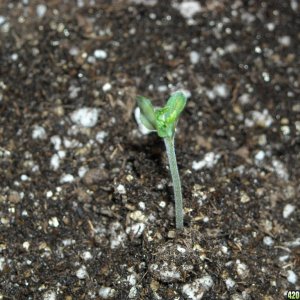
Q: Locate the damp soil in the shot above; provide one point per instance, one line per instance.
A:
(86, 202)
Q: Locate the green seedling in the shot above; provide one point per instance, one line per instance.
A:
(163, 121)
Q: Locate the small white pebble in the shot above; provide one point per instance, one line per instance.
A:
(244, 197)
(194, 57)
(283, 258)
(242, 269)
(100, 54)
(132, 293)
(270, 26)
(100, 136)
(131, 279)
(106, 292)
(86, 255)
(66, 178)
(224, 249)
(260, 155)
(2, 20)
(49, 194)
(26, 245)
(49, 295)
(181, 249)
(205, 219)
(230, 283)
(188, 8)
(292, 277)
(162, 204)
(210, 159)
(82, 171)
(53, 222)
(56, 141)
(280, 169)
(55, 162)
(142, 205)
(39, 132)
(206, 281)
(106, 87)
(288, 210)
(82, 273)
(221, 90)
(41, 10)
(268, 241)
(121, 189)
(24, 177)
(85, 117)
(14, 56)
(284, 40)
(136, 229)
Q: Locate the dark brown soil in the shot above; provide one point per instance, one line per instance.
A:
(86, 209)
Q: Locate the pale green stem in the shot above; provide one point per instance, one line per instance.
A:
(169, 142)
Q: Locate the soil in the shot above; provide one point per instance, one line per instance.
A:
(86, 202)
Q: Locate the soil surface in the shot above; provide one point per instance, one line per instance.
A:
(86, 200)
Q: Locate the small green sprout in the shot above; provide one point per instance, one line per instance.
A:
(163, 121)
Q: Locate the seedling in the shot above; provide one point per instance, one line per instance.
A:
(163, 121)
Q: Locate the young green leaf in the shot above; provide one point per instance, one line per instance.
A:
(147, 112)
(175, 105)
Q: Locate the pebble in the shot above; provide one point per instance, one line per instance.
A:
(260, 155)
(39, 132)
(41, 10)
(194, 57)
(197, 289)
(260, 119)
(230, 283)
(2, 20)
(242, 269)
(26, 245)
(188, 8)
(56, 141)
(85, 117)
(280, 169)
(49, 295)
(117, 235)
(244, 197)
(66, 178)
(292, 277)
(49, 194)
(82, 273)
(2, 263)
(100, 136)
(106, 292)
(82, 171)
(166, 272)
(285, 40)
(268, 241)
(132, 292)
(54, 162)
(288, 210)
(24, 177)
(221, 90)
(138, 216)
(86, 255)
(136, 229)
(53, 222)
(100, 54)
(106, 87)
(121, 189)
(210, 159)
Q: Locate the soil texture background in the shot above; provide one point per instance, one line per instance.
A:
(86, 200)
